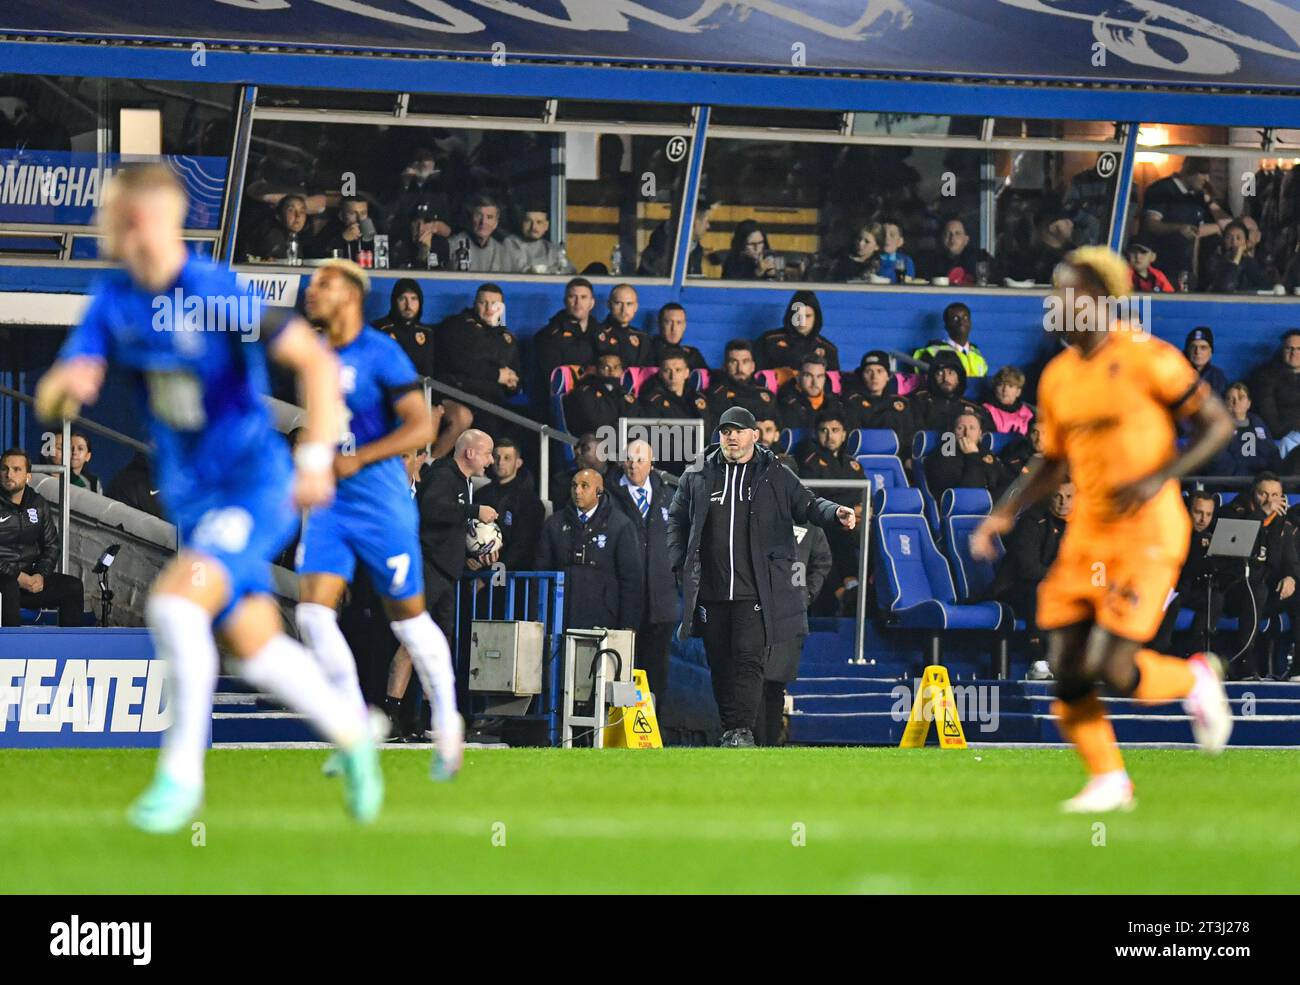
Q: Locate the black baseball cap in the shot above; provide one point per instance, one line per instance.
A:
(738, 417)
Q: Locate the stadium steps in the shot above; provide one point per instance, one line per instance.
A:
(240, 714)
(849, 708)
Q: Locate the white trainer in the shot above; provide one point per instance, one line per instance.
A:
(1108, 792)
(449, 749)
(1207, 704)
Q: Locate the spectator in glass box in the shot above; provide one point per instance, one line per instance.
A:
(863, 259)
(1179, 211)
(957, 258)
(750, 257)
(483, 252)
(533, 253)
(1146, 278)
(1232, 268)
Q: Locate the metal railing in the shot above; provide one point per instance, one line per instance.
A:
(543, 431)
(860, 616)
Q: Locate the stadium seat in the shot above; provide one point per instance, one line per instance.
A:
(634, 378)
(915, 586)
(773, 378)
(923, 444)
(997, 440)
(790, 438)
(963, 510)
(905, 383)
(833, 378)
(961, 501)
(884, 472)
(563, 378)
(698, 380)
(876, 441)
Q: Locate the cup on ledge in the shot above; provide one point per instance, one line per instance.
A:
(939, 281)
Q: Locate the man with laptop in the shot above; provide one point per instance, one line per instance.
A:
(1269, 570)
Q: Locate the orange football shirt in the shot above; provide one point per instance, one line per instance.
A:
(1112, 416)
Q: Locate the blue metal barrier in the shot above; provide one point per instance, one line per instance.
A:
(532, 596)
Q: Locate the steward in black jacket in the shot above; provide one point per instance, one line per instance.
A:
(601, 561)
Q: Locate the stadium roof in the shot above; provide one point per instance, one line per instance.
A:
(1220, 44)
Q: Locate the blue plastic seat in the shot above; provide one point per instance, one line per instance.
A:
(916, 588)
(884, 472)
(925, 443)
(876, 441)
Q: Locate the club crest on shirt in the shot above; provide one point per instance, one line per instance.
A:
(347, 378)
(509, 518)
(664, 510)
(31, 515)
(600, 541)
(420, 338)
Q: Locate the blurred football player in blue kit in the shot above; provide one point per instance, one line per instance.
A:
(373, 518)
(227, 479)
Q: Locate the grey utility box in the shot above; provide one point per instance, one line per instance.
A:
(505, 657)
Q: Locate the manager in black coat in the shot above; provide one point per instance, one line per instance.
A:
(731, 540)
(596, 547)
(640, 482)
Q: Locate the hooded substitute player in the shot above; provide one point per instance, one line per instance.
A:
(373, 518)
(1109, 406)
(226, 480)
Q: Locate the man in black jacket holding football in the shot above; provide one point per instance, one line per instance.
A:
(29, 549)
(731, 542)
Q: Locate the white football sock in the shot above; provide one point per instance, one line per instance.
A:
(285, 669)
(319, 628)
(431, 657)
(182, 635)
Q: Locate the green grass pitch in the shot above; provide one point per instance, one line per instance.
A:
(680, 820)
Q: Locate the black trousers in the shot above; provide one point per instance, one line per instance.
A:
(654, 643)
(735, 643)
(62, 592)
(771, 717)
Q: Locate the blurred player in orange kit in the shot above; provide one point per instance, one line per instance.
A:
(1109, 405)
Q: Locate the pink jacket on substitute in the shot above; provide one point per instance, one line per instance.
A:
(1011, 420)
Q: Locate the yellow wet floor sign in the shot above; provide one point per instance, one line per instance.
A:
(934, 702)
(635, 727)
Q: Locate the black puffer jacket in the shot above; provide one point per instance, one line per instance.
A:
(780, 501)
(29, 535)
(1275, 395)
